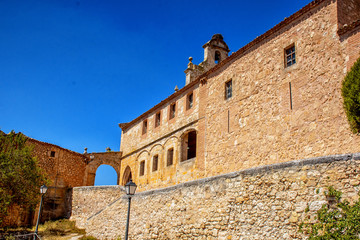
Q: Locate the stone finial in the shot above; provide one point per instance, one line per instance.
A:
(176, 88)
(85, 150)
(108, 149)
(190, 64)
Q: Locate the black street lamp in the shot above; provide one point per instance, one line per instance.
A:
(130, 188)
(43, 190)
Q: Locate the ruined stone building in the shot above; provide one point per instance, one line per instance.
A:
(274, 100)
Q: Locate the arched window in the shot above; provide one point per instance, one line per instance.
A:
(188, 146)
(217, 57)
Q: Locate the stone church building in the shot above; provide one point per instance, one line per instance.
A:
(274, 100)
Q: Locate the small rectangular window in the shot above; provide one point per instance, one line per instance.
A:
(155, 163)
(144, 129)
(290, 58)
(170, 157)
(157, 119)
(142, 168)
(172, 111)
(189, 101)
(52, 154)
(228, 89)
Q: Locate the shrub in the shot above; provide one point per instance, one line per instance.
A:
(20, 175)
(340, 220)
(351, 94)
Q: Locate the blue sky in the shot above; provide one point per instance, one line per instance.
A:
(71, 70)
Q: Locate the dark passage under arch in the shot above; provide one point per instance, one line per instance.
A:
(127, 175)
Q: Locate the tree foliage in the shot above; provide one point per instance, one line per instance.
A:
(20, 176)
(351, 94)
(340, 220)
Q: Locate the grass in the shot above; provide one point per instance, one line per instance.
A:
(8, 232)
(87, 238)
(52, 230)
(59, 228)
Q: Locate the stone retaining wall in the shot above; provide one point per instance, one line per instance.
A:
(266, 202)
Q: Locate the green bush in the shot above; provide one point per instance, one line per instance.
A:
(20, 175)
(351, 94)
(340, 220)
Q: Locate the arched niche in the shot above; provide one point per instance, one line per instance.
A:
(127, 176)
(171, 151)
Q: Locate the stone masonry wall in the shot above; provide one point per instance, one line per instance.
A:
(137, 147)
(265, 202)
(348, 11)
(65, 169)
(280, 113)
(352, 41)
(133, 138)
(276, 113)
(91, 200)
(164, 175)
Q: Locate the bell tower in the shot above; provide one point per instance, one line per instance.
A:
(215, 51)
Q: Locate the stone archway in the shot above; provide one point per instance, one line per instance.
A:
(127, 176)
(96, 159)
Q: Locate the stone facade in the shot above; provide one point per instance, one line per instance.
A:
(276, 112)
(266, 202)
(65, 169)
(137, 146)
(350, 36)
(348, 12)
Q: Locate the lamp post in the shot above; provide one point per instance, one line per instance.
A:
(43, 190)
(130, 188)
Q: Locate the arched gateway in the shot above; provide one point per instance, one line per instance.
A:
(96, 159)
